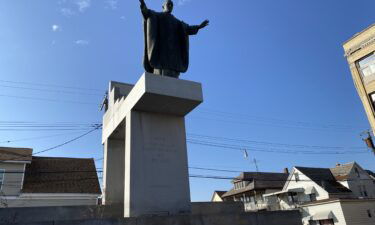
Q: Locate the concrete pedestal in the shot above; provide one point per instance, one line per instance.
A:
(145, 165)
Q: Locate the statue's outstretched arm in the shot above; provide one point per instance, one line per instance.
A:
(193, 30)
(144, 9)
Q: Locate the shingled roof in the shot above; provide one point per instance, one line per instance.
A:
(15, 154)
(342, 171)
(61, 175)
(324, 178)
(258, 181)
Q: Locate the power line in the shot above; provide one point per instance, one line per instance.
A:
(269, 150)
(272, 143)
(37, 138)
(67, 142)
(47, 99)
(274, 120)
(50, 85)
(52, 148)
(50, 91)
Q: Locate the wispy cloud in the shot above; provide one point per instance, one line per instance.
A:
(67, 12)
(111, 4)
(83, 4)
(82, 42)
(73, 7)
(55, 28)
(122, 17)
(183, 2)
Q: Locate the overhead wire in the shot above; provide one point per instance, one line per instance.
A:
(51, 85)
(50, 91)
(20, 156)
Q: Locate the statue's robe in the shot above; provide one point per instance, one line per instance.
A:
(166, 42)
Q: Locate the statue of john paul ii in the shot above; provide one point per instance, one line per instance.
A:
(166, 50)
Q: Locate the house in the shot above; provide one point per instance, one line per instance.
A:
(355, 178)
(29, 181)
(218, 196)
(249, 188)
(327, 196)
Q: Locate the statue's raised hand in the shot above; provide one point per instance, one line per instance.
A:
(204, 24)
(142, 2)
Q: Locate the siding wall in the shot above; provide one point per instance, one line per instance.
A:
(12, 181)
(364, 180)
(356, 212)
(305, 183)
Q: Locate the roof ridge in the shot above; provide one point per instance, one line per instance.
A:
(47, 157)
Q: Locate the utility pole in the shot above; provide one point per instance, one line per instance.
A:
(367, 138)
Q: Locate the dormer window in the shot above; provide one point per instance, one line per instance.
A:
(2, 172)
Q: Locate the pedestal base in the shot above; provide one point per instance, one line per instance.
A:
(156, 167)
(145, 145)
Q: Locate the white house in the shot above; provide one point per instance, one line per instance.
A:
(324, 195)
(28, 181)
(355, 178)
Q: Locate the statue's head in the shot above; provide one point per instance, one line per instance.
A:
(168, 6)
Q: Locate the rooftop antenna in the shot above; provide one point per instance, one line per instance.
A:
(256, 164)
(246, 155)
(104, 104)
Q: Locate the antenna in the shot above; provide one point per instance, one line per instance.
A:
(256, 164)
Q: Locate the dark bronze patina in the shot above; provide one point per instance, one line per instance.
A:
(166, 41)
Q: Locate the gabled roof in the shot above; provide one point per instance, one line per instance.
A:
(324, 178)
(219, 193)
(342, 171)
(61, 175)
(261, 176)
(15, 154)
(258, 181)
(371, 173)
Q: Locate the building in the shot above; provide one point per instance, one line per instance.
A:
(218, 196)
(250, 187)
(360, 54)
(361, 182)
(29, 181)
(339, 196)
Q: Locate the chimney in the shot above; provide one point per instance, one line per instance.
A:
(286, 170)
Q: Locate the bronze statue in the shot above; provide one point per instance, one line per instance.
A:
(166, 41)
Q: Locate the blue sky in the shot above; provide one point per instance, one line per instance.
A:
(272, 71)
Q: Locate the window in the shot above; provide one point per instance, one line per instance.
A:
(296, 176)
(312, 197)
(372, 98)
(366, 67)
(357, 172)
(2, 172)
(364, 191)
(292, 197)
(360, 190)
(326, 222)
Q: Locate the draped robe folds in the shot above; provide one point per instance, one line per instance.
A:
(166, 42)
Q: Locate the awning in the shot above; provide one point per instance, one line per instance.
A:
(326, 215)
(292, 190)
(310, 190)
